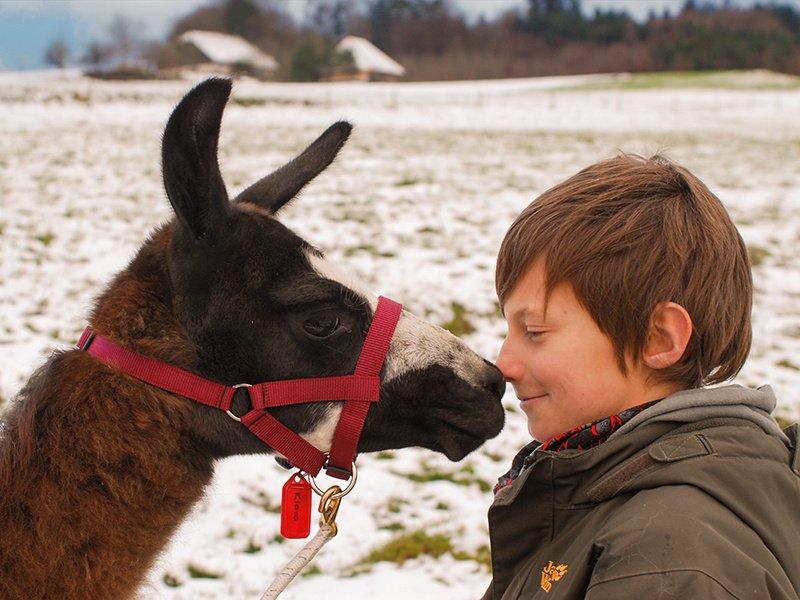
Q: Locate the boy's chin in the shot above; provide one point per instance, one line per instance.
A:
(543, 431)
(539, 433)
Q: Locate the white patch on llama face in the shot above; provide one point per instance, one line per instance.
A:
(416, 344)
(321, 436)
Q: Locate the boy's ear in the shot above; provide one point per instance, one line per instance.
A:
(669, 334)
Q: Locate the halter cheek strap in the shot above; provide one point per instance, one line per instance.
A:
(358, 391)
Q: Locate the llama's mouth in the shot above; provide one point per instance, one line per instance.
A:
(456, 442)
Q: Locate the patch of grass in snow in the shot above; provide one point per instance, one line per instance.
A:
(311, 571)
(371, 249)
(419, 543)
(274, 101)
(772, 212)
(459, 325)
(787, 364)
(251, 548)
(396, 505)
(263, 501)
(464, 476)
(31, 327)
(494, 456)
(171, 581)
(408, 546)
(358, 216)
(385, 455)
(393, 526)
(757, 254)
(245, 101)
(46, 238)
(482, 556)
(411, 180)
(732, 80)
(196, 572)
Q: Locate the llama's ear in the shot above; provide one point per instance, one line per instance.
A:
(191, 173)
(280, 186)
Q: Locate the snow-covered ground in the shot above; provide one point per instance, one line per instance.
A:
(416, 205)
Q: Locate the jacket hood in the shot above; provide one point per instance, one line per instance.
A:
(730, 401)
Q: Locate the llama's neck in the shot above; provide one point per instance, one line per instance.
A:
(96, 471)
(95, 477)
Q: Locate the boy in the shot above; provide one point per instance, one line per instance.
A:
(627, 289)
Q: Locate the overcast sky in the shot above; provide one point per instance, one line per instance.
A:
(28, 26)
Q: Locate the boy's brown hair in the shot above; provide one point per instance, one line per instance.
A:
(628, 233)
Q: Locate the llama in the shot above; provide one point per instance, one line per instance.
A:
(97, 469)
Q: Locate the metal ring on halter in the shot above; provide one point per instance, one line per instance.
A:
(345, 491)
(228, 412)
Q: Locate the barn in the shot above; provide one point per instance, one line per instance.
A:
(228, 54)
(370, 63)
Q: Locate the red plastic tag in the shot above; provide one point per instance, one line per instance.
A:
(296, 507)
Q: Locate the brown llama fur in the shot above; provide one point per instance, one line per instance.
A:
(94, 472)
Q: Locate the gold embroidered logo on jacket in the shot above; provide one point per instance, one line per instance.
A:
(552, 573)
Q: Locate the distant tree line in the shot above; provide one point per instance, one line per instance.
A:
(434, 41)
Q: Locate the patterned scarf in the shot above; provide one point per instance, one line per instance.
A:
(581, 437)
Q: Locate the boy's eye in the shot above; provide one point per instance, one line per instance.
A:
(533, 334)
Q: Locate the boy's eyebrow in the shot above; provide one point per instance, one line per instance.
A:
(526, 311)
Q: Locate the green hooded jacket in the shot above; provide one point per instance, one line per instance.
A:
(696, 497)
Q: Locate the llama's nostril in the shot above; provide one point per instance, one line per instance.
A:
(495, 382)
(498, 387)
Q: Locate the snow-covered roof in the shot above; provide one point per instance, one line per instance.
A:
(225, 49)
(369, 58)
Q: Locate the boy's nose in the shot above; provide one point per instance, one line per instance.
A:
(509, 367)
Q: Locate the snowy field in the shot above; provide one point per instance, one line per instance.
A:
(416, 204)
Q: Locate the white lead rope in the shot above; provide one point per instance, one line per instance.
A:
(328, 509)
(299, 562)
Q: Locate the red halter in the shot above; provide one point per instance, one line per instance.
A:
(357, 390)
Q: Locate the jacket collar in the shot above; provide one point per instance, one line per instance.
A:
(570, 473)
(654, 439)
(643, 457)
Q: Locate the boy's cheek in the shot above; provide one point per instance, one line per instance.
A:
(541, 418)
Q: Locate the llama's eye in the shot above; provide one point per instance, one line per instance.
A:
(321, 324)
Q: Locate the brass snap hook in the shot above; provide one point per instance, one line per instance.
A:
(329, 507)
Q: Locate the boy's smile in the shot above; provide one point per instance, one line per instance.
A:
(563, 367)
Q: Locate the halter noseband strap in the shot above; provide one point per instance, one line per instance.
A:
(358, 391)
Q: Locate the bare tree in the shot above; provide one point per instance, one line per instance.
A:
(329, 17)
(125, 35)
(56, 54)
(96, 53)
